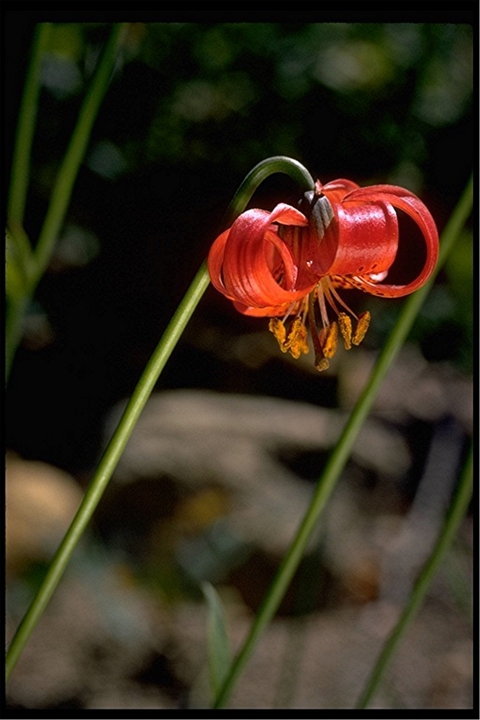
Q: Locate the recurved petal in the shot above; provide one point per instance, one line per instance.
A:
(250, 264)
(363, 239)
(215, 263)
(336, 190)
(411, 205)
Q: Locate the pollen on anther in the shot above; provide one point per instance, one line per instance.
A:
(280, 334)
(297, 340)
(362, 327)
(345, 325)
(328, 340)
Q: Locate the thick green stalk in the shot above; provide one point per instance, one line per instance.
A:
(135, 406)
(341, 453)
(453, 519)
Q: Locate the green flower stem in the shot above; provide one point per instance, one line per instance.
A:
(270, 166)
(19, 250)
(135, 406)
(37, 261)
(453, 519)
(342, 452)
(107, 465)
(68, 171)
(25, 129)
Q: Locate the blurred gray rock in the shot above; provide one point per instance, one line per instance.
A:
(205, 439)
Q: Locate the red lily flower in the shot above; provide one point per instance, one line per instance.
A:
(285, 262)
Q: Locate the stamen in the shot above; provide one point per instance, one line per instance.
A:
(277, 327)
(289, 311)
(362, 327)
(328, 340)
(345, 325)
(321, 362)
(297, 340)
(342, 302)
(321, 303)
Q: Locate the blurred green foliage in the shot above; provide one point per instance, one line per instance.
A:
(368, 98)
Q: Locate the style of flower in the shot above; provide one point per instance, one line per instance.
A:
(288, 264)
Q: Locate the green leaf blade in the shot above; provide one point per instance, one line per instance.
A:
(218, 648)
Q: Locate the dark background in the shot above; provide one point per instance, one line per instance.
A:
(192, 107)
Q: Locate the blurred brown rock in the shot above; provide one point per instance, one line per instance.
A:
(41, 501)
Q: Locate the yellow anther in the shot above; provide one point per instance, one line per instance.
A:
(362, 327)
(328, 340)
(346, 329)
(294, 337)
(277, 327)
(297, 340)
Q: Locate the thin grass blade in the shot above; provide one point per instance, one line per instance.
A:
(219, 655)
